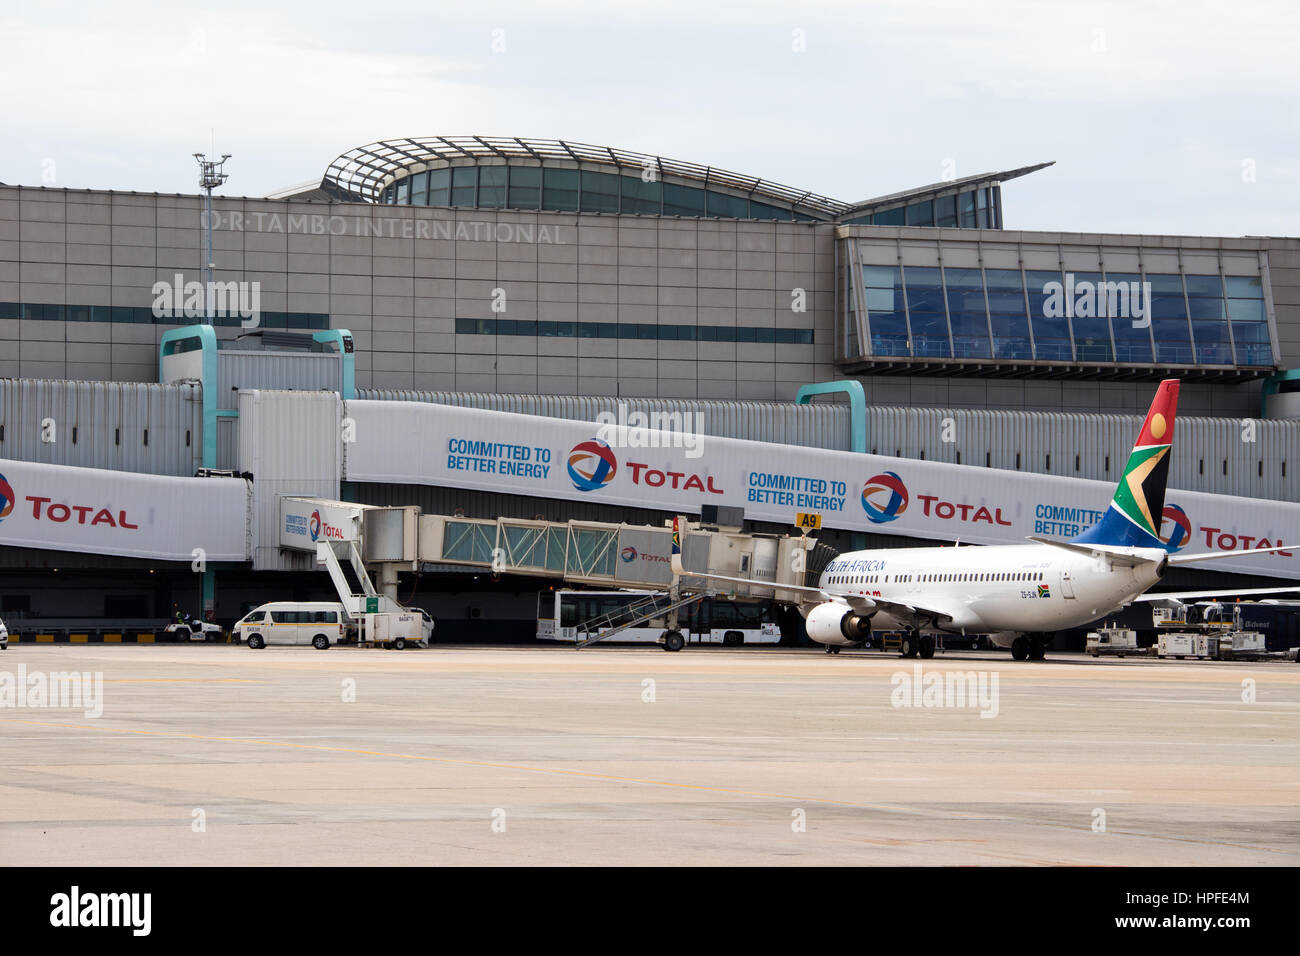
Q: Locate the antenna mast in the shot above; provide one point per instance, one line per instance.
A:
(211, 175)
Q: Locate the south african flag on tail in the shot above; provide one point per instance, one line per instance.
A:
(1133, 518)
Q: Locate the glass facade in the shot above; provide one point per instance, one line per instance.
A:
(979, 208)
(556, 189)
(1093, 318)
(887, 314)
(1249, 321)
(1133, 342)
(1171, 331)
(1209, 320)
(635, 330)
(1091, 325)
(966, 313)
(143, 315)
(1008, 320)
(926, 314)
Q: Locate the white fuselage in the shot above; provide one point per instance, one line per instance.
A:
(1000, 590)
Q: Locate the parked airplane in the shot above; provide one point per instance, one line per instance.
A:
(1017, 594)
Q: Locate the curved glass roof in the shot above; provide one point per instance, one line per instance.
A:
(363, 173)
(390, 171)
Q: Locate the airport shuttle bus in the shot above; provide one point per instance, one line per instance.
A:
(561, 615)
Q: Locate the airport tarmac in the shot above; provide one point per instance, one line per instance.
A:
(221, 755)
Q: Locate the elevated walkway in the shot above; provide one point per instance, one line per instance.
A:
(615, 555)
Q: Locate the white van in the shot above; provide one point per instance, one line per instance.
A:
(318, 623)
(4, 637)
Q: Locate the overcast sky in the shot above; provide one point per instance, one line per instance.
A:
(1163, 116)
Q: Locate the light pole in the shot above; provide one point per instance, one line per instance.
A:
(211, 175)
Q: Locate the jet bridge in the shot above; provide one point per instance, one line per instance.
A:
(589, 553)
(633, 557)
(617, 555)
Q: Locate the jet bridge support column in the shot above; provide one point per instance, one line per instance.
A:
(388, 581)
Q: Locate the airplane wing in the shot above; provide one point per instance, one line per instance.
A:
(1182, 595)
(1220, 555)
(915, 614)
(1135, 556)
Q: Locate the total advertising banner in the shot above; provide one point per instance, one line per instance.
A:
(305, 521)
(123, 513)
(419, 443)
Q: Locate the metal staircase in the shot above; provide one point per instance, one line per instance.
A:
(615, 622)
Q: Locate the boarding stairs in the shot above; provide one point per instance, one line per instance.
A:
(635, 614)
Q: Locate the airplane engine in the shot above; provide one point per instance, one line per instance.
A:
(835, 624)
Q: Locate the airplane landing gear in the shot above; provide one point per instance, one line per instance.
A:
(909, 646)
(832, 649)
(1029, 647)
(926, 646)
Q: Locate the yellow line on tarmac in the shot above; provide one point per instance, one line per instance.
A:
(183, 680)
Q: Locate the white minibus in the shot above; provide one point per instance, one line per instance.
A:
(318, 623)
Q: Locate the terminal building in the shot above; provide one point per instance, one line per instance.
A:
(566, 280)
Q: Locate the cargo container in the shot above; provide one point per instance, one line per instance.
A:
(1177, 645)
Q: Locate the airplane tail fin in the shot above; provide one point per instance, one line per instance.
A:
(1135, 512)
(676, 560)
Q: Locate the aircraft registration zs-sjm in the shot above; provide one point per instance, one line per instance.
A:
(1016, 594)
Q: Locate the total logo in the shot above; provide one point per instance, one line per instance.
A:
(59, 512)
(592, 465)
(322, 529)
(7, 498)
(643, 474)
(1216, 539)
(630, 554)
(1181, 531)
(884, 497)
